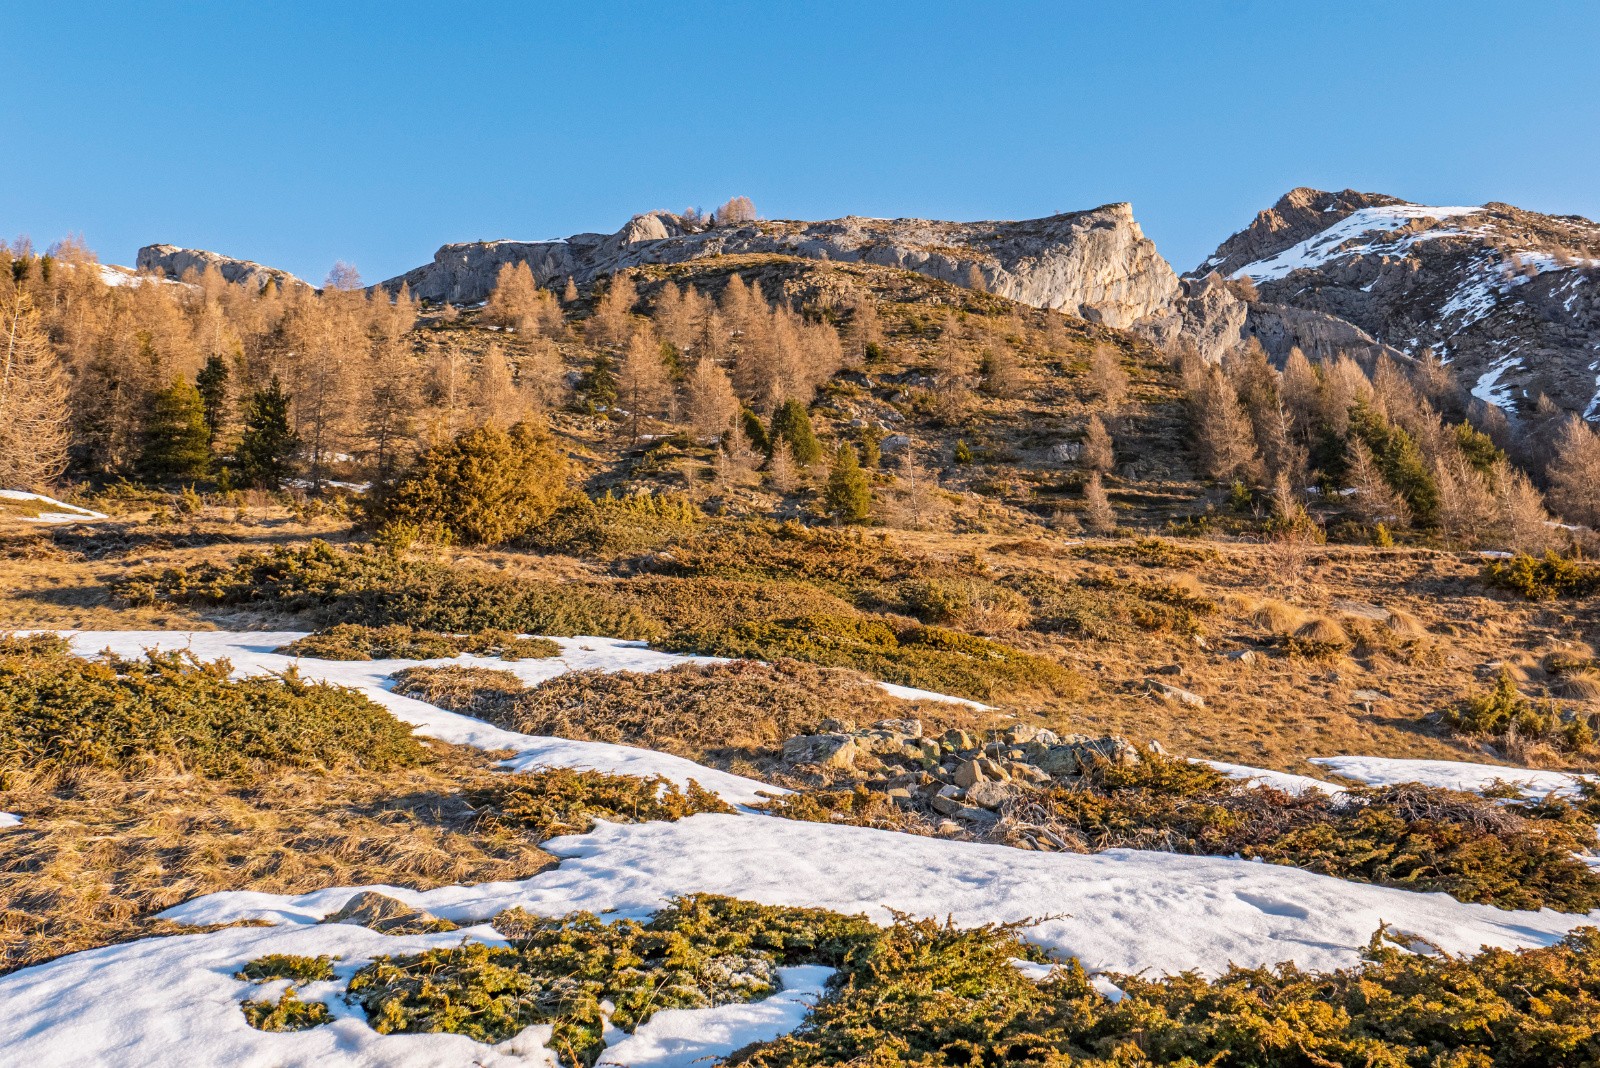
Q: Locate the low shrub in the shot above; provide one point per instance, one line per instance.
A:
(558, 801)
(1147, 552)
(287, 966)
(352, 641)
(1543, 579)
(58, 710)
(930, 658)
(487, 486)
(611, 525)
(288, 1013)
(700, 952)
(377, 588)
(930, 995)
(1512, 856)
(1504, 713)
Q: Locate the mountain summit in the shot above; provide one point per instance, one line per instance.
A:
(1510, 298)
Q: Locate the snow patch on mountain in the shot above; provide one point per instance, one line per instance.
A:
(1341, 238)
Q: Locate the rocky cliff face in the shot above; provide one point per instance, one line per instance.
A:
(1094, 264)
(175, 262)
(1510, 298)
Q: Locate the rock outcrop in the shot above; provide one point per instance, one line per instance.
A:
(1095, 264)
(1509, 298)
(174, 263)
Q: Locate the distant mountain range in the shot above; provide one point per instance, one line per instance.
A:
(1509, 298)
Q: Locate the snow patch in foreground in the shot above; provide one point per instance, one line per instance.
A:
(1451, 774)
(64, 513)
(174, 1001)
(1288, 782)
(1121, 910)
(679, 1038)
(9, 820)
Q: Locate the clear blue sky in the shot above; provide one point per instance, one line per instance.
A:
(297, 133)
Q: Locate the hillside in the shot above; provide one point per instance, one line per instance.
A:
(777, 659)
(1510, 299)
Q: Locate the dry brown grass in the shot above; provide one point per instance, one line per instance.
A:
(1278, 618)
(1405, 626)
(728, 715)
(96, 857)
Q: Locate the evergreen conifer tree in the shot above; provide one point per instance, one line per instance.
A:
(792, 423)
(177, 443)
(268, 444)
(849, 494)
(212, 382)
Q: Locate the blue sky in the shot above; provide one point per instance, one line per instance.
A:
(297, 134)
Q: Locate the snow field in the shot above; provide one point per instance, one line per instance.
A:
(1120, 910)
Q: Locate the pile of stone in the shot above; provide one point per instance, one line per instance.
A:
(957, 774)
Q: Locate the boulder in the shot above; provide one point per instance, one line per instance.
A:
(823, 750)
(388, 915)
(990, 795)
(1176, 694)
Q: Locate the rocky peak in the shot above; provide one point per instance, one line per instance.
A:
(175, 262)
(1096, 264)
(1509, 297)
(1298, 214)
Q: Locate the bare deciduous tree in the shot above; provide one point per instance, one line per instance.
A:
(33, 399)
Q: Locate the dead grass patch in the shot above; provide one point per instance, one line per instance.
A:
(97, 856)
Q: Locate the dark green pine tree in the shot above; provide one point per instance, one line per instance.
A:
(600, 384)
(212, 382)
(268, 444)
(792, 423)
(177, 445)
(754, 432)
(849, 494)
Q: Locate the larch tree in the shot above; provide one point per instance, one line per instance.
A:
(1224, 440)
(1574, 473)
(710, 401)
(495, 397)
(1373, 499)
(642, 380)
(1096, 453)
(34, 432)
(612, 321)
(736, 211)
(1098, 518)
(1000, 372)
(1523, 523)
(1107, 379)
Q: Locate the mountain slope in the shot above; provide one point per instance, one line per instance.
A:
(1510, 298)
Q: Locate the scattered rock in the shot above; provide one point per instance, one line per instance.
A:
(990, 795)
(910, 728)
(388, 915)
(1173, 693)
(824, 750)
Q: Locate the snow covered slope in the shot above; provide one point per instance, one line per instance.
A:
(1510, 297)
